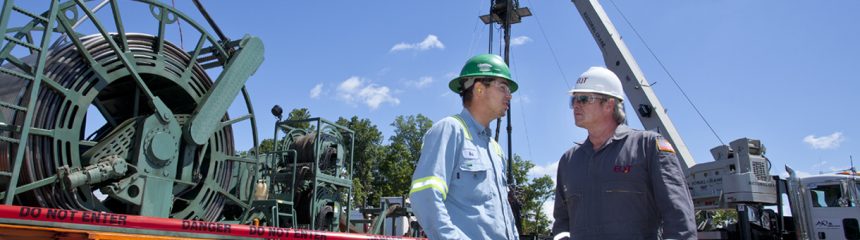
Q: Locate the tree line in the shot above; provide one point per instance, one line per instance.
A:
(385, 170)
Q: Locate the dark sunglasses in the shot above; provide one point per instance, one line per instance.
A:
(584, 99)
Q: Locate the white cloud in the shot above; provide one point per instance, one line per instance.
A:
(430, 42)
(350, 84)
(421, 82)
(824, 142)
(520, 40)
(521, 99)
(374, 96)
(548, 208)
(354, 89)
(539, 171)
(315, 92)
(549, 169)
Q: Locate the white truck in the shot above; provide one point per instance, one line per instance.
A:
(822, 207)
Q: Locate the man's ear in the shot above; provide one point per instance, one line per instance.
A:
(610, 103)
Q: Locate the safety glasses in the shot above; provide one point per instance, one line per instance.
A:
(584, 99)
(505, 89)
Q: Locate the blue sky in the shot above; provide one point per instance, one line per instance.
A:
(778, 71)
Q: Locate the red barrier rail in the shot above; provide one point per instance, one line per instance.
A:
(111, 222)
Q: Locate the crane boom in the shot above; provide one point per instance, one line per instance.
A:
(639, 93)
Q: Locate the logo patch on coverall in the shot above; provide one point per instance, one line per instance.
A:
(664, 146)
(621, 169)
(470, 153)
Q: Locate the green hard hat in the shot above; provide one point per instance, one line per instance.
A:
(484, 65)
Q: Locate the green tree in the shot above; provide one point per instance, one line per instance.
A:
(403, 151)
(719, 218)
(268, 144)
(394, 174)
(300, 114)
(533, 193)
(537, 192)
(410, 131)
(367, 151)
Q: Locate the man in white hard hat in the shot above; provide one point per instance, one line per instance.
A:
(620, 183)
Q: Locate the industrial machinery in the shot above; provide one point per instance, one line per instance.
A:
(739, 173)
(113, 124)
(106, 129)
(739, 178)
(308, 174)
(164, 145)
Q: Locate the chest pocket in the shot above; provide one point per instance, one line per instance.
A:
(472, 177)
(625, 201)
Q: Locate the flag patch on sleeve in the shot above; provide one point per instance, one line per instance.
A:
(664, 146)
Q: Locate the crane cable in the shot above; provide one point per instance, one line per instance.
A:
(668, 73)
(522, 113)
(551, 50)
(474, 38)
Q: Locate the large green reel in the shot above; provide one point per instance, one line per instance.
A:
(134, 81)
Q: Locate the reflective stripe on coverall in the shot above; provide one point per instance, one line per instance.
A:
(459, 186)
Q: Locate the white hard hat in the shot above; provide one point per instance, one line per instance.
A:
(599, 80)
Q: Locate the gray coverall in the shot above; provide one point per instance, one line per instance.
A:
(628, 189)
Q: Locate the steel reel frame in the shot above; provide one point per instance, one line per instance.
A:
(328, 184)
(148, 71)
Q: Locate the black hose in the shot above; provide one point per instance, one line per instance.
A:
(170, 74)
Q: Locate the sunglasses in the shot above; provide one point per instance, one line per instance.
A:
(584, 99)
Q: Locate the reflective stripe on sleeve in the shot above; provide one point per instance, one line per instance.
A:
(430, 182)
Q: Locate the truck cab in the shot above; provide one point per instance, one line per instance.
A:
(832, 204)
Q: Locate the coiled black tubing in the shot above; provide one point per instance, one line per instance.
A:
(170, 74)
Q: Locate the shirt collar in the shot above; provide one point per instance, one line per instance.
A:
(473, 125)
(620, 133)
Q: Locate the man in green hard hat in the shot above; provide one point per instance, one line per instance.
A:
(459, 186)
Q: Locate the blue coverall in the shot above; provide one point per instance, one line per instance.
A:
(459, 186)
